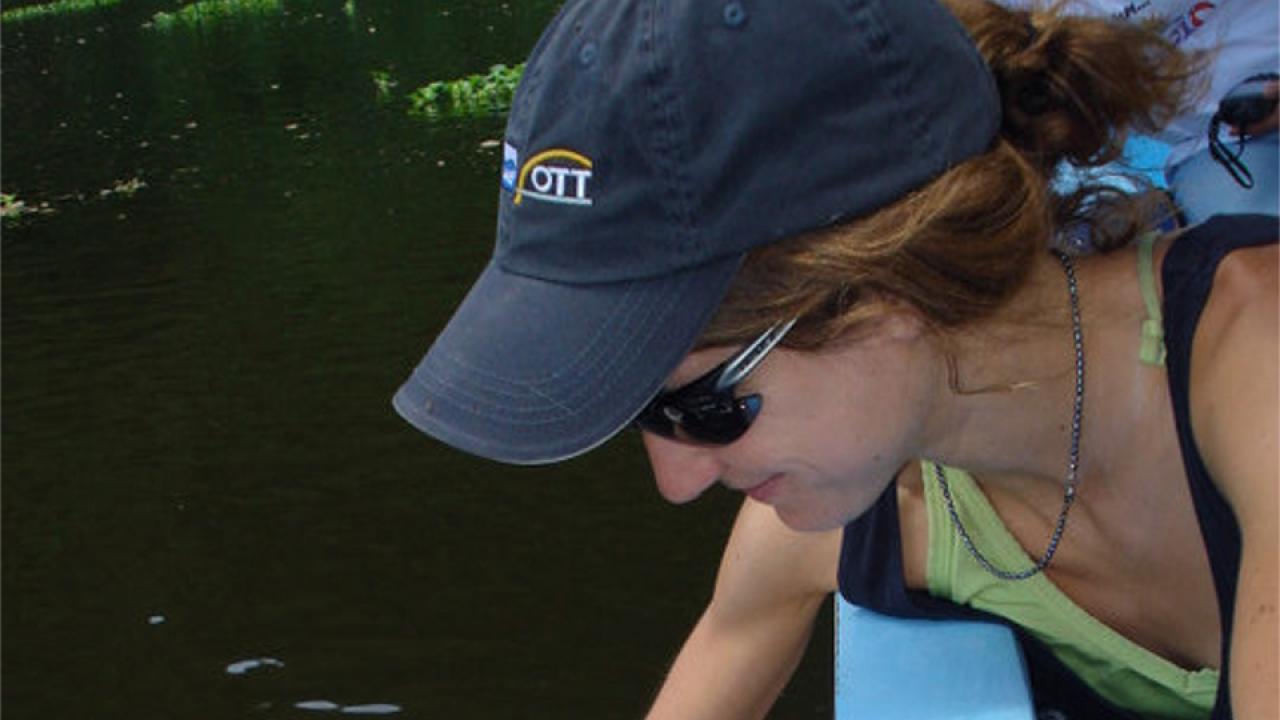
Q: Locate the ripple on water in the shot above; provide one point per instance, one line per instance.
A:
(366, 709)
(241, 667)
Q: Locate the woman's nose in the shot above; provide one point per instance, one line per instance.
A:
(682, 471)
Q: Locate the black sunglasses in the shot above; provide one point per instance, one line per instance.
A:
(706, 410)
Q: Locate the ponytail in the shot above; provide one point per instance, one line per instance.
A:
(1073, 86)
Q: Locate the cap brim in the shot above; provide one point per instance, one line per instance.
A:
(529, 371)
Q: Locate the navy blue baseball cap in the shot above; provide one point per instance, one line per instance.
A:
(650, 146)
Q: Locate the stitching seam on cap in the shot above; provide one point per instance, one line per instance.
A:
(486, 380)
(503, 414)
(679, 148)
(595, 346)
(480, 406)
(892, 68)
(532, 76)
(480, 397)
(662, 102)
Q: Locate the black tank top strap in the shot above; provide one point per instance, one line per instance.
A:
(871, 575)
(1187, 273)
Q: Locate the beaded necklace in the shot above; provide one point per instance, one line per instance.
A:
(1073, 454)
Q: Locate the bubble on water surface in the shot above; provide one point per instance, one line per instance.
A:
(318, 705)
(371, 709)
(240, 667)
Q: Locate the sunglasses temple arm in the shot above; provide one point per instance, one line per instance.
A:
(748, 359)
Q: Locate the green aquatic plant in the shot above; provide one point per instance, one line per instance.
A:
(127, 188)
(11, 207)
(213, 11)
(471, 95)
(384, 83)
(28, 12)
(13, 210)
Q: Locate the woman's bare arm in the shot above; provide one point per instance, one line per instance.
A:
(1235, 387)
(742, 652)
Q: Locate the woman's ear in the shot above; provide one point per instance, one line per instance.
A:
(904, 324)
(896, 321)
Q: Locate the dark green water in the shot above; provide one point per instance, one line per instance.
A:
(200, 462)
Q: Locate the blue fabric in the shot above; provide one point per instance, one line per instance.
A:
(1202, 187)
(1148, 157)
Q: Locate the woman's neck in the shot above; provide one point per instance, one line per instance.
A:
(1006, 411)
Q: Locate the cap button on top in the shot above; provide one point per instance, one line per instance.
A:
(734, 14)
(587, 54)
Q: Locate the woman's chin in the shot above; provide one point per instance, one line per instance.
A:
(808, 518)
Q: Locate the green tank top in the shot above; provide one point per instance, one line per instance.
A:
(1118, 669)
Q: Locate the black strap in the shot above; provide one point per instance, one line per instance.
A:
(1219, 151)
(1246, 104)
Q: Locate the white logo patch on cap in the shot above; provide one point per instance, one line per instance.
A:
(557, 175)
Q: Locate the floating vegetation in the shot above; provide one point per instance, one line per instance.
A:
(127, 188)
(12, 209)
(213, 11)
(11, 206)
(384, 83)
(471, 95)
(28, 12)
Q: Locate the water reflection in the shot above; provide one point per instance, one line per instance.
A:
(247, 253)
(240, 667)
(367, 709)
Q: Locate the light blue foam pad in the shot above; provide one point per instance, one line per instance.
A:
(894, 669)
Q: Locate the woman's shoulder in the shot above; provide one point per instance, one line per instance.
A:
(1235, 372)
(1249, 274)
(1225, 271)
(1240, 315)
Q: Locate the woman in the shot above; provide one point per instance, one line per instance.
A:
(821, 227)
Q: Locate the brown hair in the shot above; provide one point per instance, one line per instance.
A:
(959, 247)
